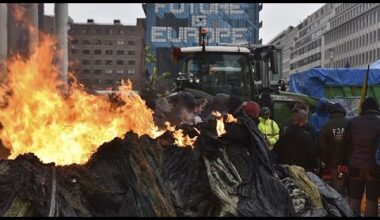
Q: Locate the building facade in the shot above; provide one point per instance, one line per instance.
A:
(285, 40)
(308, 46)
(101, 55)
(337, 35)
(171, 25)
(353, 39)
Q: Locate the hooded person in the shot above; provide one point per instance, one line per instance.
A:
(321, 116)
(330, 138)
(234, 105)
(357, 155)
(268, 128)
(220, 102)
(296, 145)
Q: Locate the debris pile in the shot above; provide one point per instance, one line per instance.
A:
(140, 176)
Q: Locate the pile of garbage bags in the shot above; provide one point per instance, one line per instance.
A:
(139, 176)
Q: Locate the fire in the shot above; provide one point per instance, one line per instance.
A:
(220, 127)
(37, 118)
(219, 124)
(180, 139)
(231, 119)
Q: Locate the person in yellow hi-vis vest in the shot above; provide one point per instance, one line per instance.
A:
(268, 128)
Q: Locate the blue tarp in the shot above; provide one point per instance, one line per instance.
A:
(312, 81)
(375, 65)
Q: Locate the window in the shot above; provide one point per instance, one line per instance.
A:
(98, 52)
(108, 62)
(131, 43)
(120, 42)
(109, 52)
(108, 42)
(86, 51)
(121, 32)
(97, 71)
(120, 62)
(120, 71)
(85, 31)
(109, 31)
(131, 62)
(108, 71)
(120, 52)
(73, 51)
(109, 81)
(98, 31)
(131, 31)
(85, 62)
(97, 42)
(131, 71)
(86, 42)
(86, 71)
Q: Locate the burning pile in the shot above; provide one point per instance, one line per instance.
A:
(139, 171)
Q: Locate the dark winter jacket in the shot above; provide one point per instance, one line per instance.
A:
(360, 140)
(330, 137)
(296, 147)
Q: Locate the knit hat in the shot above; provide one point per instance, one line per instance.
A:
(233, 103)
(370, 103)
(252, 109)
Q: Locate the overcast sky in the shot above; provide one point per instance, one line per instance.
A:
(276, 17)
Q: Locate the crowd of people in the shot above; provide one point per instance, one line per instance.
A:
(345, 151)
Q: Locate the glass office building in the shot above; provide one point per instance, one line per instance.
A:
(171, 25)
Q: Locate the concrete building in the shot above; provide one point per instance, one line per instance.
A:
(101, 55)
(354, 35)
(308, 47)
(336, 35)
(286, 40)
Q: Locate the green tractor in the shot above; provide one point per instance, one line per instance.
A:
(244, 71)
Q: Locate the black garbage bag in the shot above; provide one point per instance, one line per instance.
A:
(185, 175)
(129, 169)
(333, 201)
(263, 194)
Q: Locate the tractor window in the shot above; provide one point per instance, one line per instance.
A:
(222, 72)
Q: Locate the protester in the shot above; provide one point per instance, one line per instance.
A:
(356, 153)
(296, 145)
(220, 102)
(252, 109)
(330, 137)
(321, 116)
(268, 128)
(199, 108)
(234, 105)
(162, 110)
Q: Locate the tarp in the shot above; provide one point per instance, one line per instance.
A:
(375, 65)
(311, 82)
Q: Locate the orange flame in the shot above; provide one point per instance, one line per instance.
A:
(65, 130)
(220, 130)
(231, 119)
(220, 127)
(180, 139)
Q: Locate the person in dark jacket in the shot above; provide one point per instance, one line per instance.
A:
(330, 137)
(296, 145)
(357, 150)
(321, 116)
